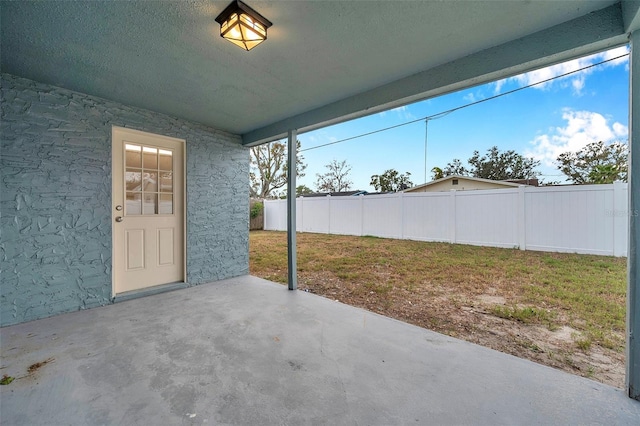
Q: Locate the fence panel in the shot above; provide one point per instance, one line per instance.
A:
(346, 215)
(571, 219)
(382, 216)
(590, 219)
(315, 215)
(487, 217)
(620, 213)
(275, 215)
(426, 218)
(299, 214)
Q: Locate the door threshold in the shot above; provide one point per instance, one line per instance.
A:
(150, 291)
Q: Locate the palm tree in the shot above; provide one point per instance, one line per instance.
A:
(437, 173)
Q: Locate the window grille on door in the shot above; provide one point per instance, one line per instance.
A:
(148, 180)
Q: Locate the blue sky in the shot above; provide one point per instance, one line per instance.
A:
(540, 122)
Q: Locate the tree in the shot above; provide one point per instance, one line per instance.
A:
(596, 163)
(269, 168)
(335, 179)
(495, 165)
(391, 180)
(437, 173)
(605, 173)
(505, 165)
(303, 190)
(455, 168)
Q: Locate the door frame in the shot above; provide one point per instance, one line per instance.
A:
(183, 144)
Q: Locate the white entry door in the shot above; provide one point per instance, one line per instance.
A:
(148, 210)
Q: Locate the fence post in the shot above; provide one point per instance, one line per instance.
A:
(264, 215)
(522, 218)
(286, 209)
(401, 201)
(452, 216)
(329, 214)
(620, 217)
(301, 213)
(361, 215)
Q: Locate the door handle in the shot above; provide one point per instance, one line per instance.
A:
(119, 218)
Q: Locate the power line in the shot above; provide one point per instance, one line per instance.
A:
(447, 112)
(426, 134)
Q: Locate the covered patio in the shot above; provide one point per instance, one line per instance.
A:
(243, 351)
(229, 348)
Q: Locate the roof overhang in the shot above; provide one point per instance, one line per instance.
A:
(590, 33)
(323, 62)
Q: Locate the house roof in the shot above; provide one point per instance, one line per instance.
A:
(336, 194)
(531, 181)
(506, 184)
(323, 62)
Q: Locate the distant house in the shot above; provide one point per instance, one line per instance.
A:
(336, 194)
(467, 183)
(530, 182)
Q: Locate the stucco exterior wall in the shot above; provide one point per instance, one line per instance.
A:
(55, 201)
(463, 185)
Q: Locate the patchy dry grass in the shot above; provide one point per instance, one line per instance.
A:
(562, 310)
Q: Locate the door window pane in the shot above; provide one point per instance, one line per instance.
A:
(150, 181)
(133, 154)
(150, 205)
(166, 159)
(166, 182)
(133, 180)
(150, 158)
(166, 204)
(133, 205)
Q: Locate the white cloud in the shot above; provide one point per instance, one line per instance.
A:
(614, 53)
(499, 85)
(319, 137)
(620, 130)
(578, 84)
(474, 96)
(577, 79)
(469, 97)
(403, 112)
(582, 128)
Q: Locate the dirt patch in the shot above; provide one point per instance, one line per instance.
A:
(33, 368)
(470, 319)
(489, 299)
(32, 371)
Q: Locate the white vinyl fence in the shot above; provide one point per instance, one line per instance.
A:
(589, 219)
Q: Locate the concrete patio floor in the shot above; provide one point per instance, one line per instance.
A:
(247, 351)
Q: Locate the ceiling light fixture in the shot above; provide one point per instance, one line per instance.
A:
(242, 25)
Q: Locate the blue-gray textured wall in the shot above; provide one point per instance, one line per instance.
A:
(55, 200)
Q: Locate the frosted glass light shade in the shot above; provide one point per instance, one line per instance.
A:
(242, 25)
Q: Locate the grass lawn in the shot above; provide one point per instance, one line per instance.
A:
(562, 310)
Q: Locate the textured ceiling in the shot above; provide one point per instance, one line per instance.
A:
(168, 57)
